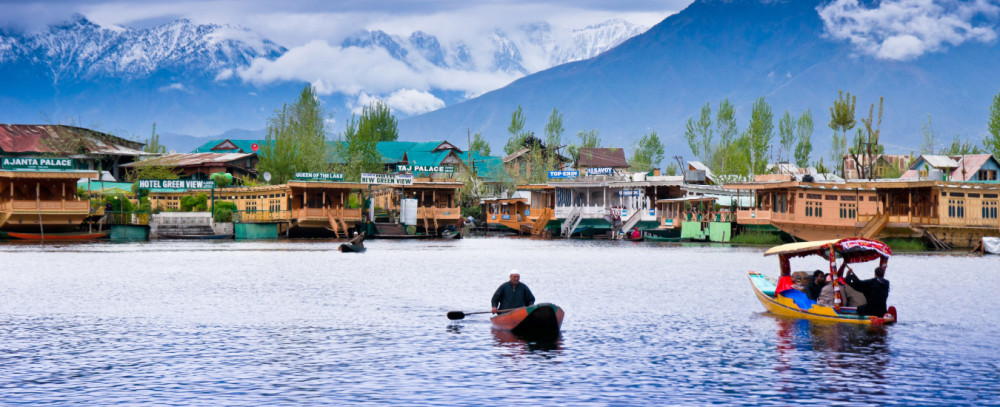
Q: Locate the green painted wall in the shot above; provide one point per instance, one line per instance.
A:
(128, 233)
(692, 230)
(254, 231)
(719, 231)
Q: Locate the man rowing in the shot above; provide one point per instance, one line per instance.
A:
(512, 294)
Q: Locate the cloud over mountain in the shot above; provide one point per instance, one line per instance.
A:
(906, 29)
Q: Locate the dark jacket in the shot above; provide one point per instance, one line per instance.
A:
(813, 290)
(876, 291)
(509, 297)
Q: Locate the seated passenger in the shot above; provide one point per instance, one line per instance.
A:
(816, 285)
(876, 290)
(826, 294)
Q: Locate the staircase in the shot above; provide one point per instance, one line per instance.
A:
(571, 222)
(874, 226)
(336, 220)
(539, 226)
(632, 220)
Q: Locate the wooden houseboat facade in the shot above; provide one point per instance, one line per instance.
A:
(42, 201)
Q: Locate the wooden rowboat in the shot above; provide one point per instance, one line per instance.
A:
(53, 236)
(539, 320)
(782, 299)
(351, 248)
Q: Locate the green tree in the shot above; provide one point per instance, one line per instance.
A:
(553, 139)
(153, 143)
(648, 153)
(671, 169)
(958, 147)
(516, 131)
(378, 123)
(588, 139)
(358, 151)
(786, 136)
(760, 132)
(296, 139)
(479, 144)
(866, 147)
(804, 130)
(842, 119)
(699, 134)
(992, 141)
(725, 123)
(929, 146)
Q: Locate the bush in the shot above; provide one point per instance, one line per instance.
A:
(756, 238)
(906, 244)
(224, 211)
(119, 203)
(474, 211)
(198, 203)
(222, 179)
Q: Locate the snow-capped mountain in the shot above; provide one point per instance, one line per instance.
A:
(507, 49)
(81, 49)
(193, 78)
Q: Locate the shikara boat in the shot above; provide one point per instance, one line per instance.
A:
(451, 235)
(652, 238)
(351, 248)
(539, 320)
(53, 236)
(781, 299)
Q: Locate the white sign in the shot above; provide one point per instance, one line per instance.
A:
(175, 184)
(387, 179)
(600, 171)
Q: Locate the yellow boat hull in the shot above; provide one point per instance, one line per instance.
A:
(784, 306)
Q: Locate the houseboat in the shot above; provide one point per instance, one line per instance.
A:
(947, 214)
(428, 204)
(41, 200)
(530, 211)
(606, 207)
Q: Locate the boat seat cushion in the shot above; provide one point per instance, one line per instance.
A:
(800, 298)
(763, 284)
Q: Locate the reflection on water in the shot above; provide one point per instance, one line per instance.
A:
(298, 323)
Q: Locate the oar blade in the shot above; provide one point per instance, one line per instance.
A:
(455, 315)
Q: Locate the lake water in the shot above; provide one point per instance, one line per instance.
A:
(281, 323)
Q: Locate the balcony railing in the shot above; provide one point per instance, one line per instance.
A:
(265, 216)
(50, 206)
(753, 217)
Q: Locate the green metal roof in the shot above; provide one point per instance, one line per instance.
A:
(242, 146)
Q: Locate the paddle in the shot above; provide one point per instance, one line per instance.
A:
(455, 315)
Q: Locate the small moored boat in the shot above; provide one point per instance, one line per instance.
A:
(351, 248)
(53, 236)
(539, 320)
(779, 298)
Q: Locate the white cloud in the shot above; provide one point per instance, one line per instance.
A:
(407, 101)
(224, 74)
(174, 86)
(907, 29)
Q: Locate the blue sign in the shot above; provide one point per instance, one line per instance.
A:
(600, 171)
(563, 174)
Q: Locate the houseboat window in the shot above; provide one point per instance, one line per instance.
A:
(847, 198)
(814, 196)
(814, 209)
(944, 193)
(831, 197)
(871, 198)
(973, 195)
(987, 175)
(989, 195)
(958, 194)
(989, 209)
(848, 211)
(956, 208)
(800, 194)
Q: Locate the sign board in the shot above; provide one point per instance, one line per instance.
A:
(446, 169)
(175, 184)
(387, 179)
(254, 147)
(563, 174)
(600, 171)
(630, 192)
(318, 176)
(38, 163)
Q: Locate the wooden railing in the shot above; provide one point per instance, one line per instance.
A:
(261, 216)
(753, 217)
(50, 206)
(441, 213)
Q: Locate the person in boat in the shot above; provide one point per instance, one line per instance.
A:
(876, 291)
(815, 286)
(635, 234)
(358, 240)
(512, 294)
